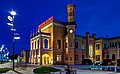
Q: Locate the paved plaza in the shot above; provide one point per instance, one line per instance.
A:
(28, 69)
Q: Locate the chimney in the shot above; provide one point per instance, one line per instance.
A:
(87, 33)
(94, 35)
(87, 44)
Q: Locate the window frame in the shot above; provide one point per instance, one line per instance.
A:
(59, 57)
(97, 46)
(97, 58)
(44, 43)
(59, 44)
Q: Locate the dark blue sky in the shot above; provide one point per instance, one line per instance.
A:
(96, 16)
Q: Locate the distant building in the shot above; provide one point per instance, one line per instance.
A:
(56, 42)
(111, 49)
(25, 56)
(16, 58)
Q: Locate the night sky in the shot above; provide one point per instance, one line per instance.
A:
(96, 16)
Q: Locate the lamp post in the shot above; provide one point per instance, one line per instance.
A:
(13, 13)
(11, 18)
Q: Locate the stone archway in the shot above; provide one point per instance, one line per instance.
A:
(45, 59)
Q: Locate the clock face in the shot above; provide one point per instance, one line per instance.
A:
(71, 31)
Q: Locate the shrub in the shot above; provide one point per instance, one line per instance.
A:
(4, 70)
(45, 69)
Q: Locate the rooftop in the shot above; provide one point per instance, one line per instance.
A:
(49, 20)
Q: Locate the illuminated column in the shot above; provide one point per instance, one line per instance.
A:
(40, 47)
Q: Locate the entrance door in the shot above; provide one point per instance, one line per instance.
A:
(45, 59)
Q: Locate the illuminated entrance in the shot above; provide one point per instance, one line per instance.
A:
(45, 59)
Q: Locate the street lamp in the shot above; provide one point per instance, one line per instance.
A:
(11, 19)
(13, 13)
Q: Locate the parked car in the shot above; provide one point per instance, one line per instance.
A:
(105, 68)
(118, 68)
(111, 68)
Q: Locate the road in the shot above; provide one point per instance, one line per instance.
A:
(28, 69)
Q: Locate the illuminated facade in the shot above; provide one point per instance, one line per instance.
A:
(56, 42)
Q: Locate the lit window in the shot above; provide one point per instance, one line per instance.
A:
(58, 44)
(97, 57)
(90, 51)
(45, 43)
(58, 57)
(97, 46)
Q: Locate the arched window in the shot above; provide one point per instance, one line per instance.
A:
(32, 45)
(113, 57)
(35, 44)
(38, 44)
(110, 44)
(113, 44)
(45, 43)
(58, 44)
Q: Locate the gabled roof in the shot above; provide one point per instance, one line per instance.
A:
(49, 20)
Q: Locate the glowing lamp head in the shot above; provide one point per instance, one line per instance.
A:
(13, 13)
(71, 31)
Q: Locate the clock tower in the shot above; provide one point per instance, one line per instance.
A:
(71, 26)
